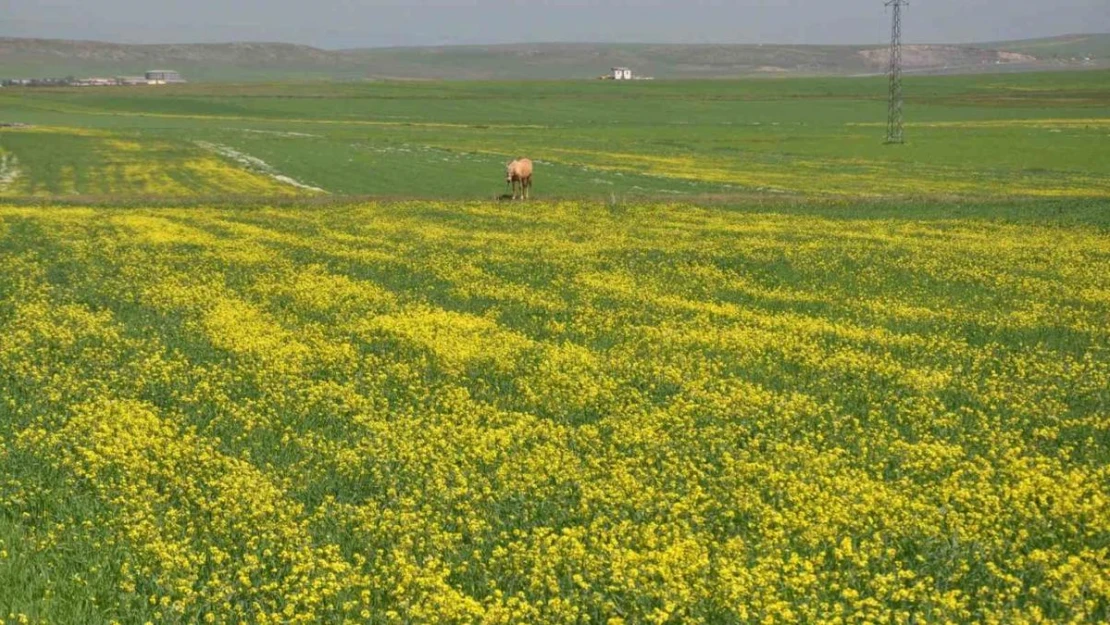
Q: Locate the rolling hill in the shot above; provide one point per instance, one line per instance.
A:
(1065, 48)
(281, 61)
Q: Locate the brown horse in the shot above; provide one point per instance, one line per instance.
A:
(519, 170)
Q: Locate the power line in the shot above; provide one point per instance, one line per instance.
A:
(894, 105)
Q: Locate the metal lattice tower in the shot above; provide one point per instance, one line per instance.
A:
(894, 106)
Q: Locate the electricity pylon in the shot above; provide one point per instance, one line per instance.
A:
(894, 105)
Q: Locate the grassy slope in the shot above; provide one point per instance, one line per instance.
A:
(553, 61)
(980, 136)
(234, 61)
(1095, 46)
(272, 61)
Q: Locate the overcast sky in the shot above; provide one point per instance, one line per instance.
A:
(358, 23)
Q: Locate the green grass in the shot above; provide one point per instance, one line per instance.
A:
(978, 136)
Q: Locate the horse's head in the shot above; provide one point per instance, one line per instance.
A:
(509, 171)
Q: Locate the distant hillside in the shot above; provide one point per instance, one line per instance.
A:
(279, 61)
(1063, 49)
(222, 61)
(672, 61)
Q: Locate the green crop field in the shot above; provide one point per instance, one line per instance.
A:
(1029, 135)
(272, 353)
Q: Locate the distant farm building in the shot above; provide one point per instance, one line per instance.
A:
(621, 73)
(94, 82)
(163, 77)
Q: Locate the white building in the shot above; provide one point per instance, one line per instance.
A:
(94, 82)
(622, 73)
(163, 77)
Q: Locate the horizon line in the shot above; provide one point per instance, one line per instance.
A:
(538, 43)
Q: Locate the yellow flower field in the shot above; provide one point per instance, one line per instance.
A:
(60, 161)
(432, 412)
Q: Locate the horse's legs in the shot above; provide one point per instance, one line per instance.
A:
(528, 193)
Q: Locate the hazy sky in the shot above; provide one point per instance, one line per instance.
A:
(354, 23)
